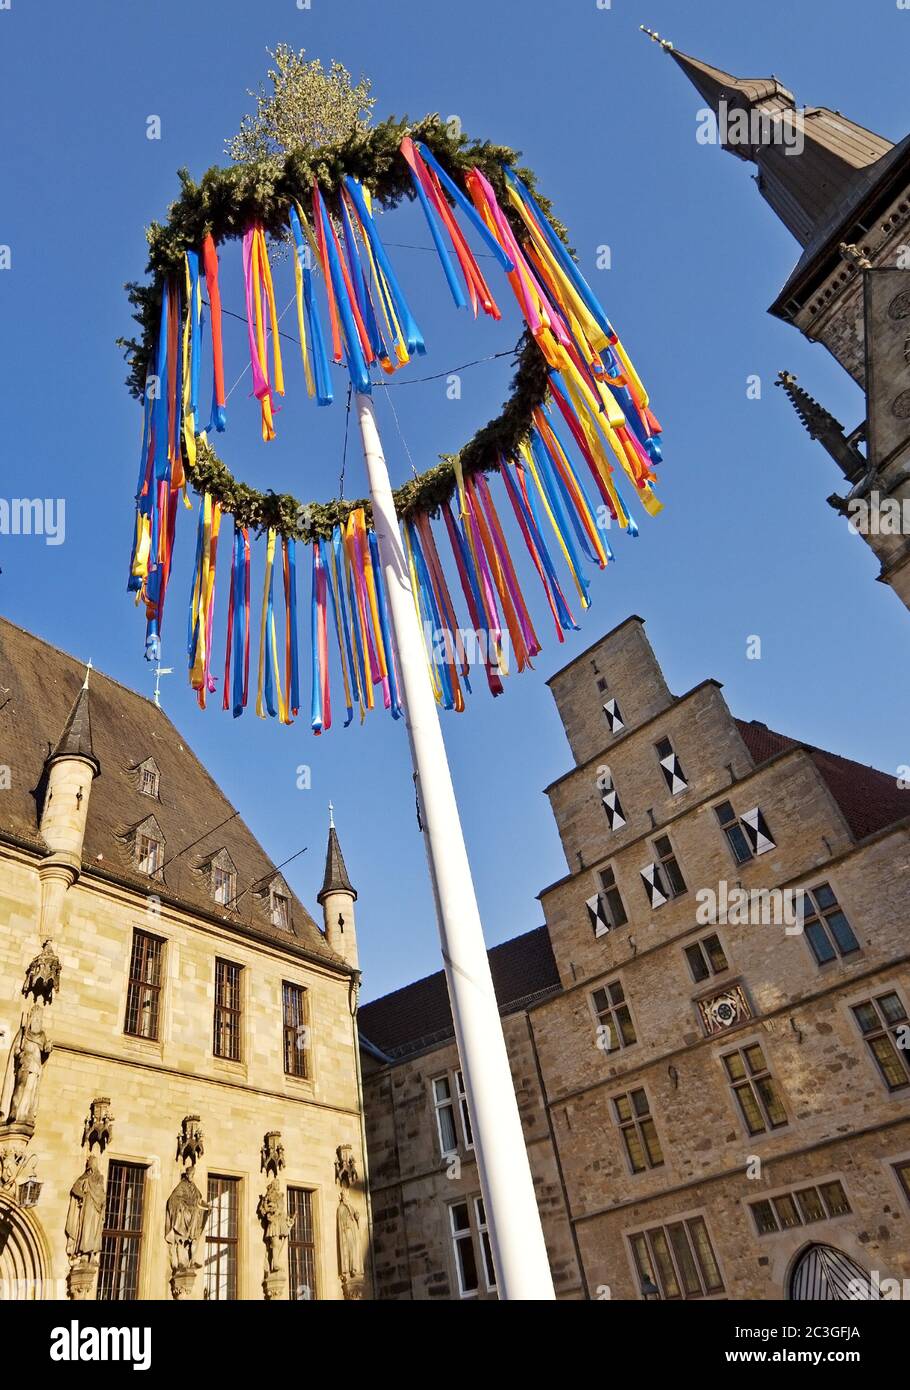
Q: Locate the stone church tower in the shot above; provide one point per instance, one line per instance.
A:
(844, 193)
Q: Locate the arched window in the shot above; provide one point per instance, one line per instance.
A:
(824, 1274)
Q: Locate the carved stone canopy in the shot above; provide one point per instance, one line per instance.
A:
(190, 1140)
(346, 1174)
(271, 1157)
(99, 1124)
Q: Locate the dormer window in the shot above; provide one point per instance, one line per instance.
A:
(222, 878)
(149, 854)
(280, 909)
(224, 885)
(149, 778)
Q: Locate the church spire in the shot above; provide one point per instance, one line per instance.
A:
(810, 161)
(821, 425)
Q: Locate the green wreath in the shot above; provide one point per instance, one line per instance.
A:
(223, 204)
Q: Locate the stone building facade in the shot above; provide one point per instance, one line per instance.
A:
(844, 193)
(180, 1114)
(715, 1080)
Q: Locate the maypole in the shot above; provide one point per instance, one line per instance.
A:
(519, 1252)
(578, 415)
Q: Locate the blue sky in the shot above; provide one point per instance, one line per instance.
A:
(746, 544)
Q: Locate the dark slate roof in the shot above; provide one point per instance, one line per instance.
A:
(76, 739)
(418, 1016)
(870, 800)
(335, 879)
(38, 687)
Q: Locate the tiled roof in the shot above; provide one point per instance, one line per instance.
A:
(38, 687)
(869, 799)
(418, 1016)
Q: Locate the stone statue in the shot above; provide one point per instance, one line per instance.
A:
(276, 1224)
(30, 1051)
(43, 974)
(85, 1217)
(348, 1223)
(185, 1217)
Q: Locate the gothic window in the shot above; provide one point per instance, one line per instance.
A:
(221, 1239)
(606, 909)
(296, 1030)
(143, 998)
(755, 1089)
(610, 800)
(633, 1116)
(799, 1207)
(301, 1245)
(615, 1028)
(671, 767)
(226, 1042)
(677, 1260)
(121, 1238)
(825, 927)
(706, 957)
(883, 1023)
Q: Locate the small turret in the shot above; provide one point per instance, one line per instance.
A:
(337, 897)
(70, 771)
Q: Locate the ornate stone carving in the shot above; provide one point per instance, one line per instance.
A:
(43, 974)
(14, 1141)
(190, 1141)
(272, 1155)
(346, 1174)
(276, 1227)
(30, 1050)
(185, 1217)
(84, 1225)
(99, 1124)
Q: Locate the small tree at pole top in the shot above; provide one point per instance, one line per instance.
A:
(573, 443)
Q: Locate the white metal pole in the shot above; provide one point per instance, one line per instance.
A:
(519, 1253)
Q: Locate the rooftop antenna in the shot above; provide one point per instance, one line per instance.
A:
(159, 672)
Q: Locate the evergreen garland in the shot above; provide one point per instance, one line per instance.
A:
(224, 203)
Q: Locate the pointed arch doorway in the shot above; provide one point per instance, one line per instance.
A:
(822, 1273)
(24, 1266)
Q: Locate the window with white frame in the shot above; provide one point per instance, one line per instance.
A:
(453, 1123)
(472, 1247)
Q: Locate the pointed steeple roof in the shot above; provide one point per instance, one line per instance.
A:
(812, 162)
(76, 739)
(335, 879)
(821, 425)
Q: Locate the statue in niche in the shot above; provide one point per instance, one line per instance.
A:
(276, 1224)
(348, 1223)
(31, 1049)
(185, 1217)
(85, 1216)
